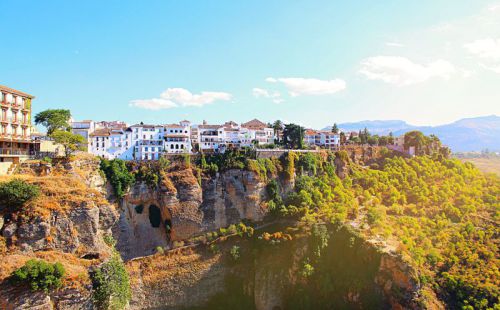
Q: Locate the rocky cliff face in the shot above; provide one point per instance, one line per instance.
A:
(181, 208)
(268, 277)
(67, 223)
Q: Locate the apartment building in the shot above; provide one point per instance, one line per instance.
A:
(177, 137)
(210, 137)
(322, 138)
(259, 131)
(15, 121)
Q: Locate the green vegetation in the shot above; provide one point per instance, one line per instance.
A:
(54, 119)
(70, 141)
(118, 175)
(235, 252)
(293, 136)
(39, 275)
(443, 212)
(111, 284)
(16, 193)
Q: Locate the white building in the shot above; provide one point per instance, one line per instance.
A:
(177, 138)
(321, 138)
(259, 131)
(147, 141)
(210, 137)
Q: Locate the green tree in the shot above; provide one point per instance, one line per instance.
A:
(16, 193)
(278, 129)
(54, 119)
(39, 275)
(415, 139)
(118, 175)
(70, 141)
(335, 128)
(293, 136)
(111, 284)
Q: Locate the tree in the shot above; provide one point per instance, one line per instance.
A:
(415, 139)
(383, 141)
(70, 141)
(335, 128)
(16, 193)
(278, 128)
(343, 138)
(293, 136)
(54, 119)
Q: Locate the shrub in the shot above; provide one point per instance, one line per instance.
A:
(111, 284)
(235, 252)
(118, 175)
(16, 193)
(39, 275)
(109, 240)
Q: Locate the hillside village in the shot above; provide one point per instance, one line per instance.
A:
(119, 140)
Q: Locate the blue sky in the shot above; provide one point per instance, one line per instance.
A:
(310, 62)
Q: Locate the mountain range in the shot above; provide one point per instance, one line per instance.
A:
(464, 135)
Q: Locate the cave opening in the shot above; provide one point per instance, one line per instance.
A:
(139, 209)
(154, 216)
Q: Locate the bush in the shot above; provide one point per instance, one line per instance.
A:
(39, 275)
(111, 285)
(118, 175)
(16, 193)
(235, 252)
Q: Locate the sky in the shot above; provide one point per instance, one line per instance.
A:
(427, 62)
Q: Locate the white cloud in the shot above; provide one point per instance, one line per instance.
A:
(305, 86)
(402, 71)
(494, 7)
(175, 97)
(263, 93)
(485, 48)
(153, 104)
(394, 44)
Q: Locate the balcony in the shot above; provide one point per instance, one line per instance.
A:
(7, 151)
(15, 106)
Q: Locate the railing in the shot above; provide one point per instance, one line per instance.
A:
(4, 151)
(40, 155)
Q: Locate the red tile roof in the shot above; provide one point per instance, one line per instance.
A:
(15, 92)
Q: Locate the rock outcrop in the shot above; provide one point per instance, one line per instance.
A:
(180, 208)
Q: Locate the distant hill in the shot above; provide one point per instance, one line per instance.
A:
(468, 134)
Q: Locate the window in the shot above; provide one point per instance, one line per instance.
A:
(146, 148)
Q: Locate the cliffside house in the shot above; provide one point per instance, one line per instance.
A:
(15, 131)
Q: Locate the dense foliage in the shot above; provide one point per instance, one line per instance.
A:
(70, 141)
(39, 275)
(111, 284)
(118, 175)
(16, 193)
(444, 214)
(54, 119)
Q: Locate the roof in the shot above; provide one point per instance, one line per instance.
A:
(310, 132)
(146, 125)
(15, 91)
(209, 126)
(255, 123)
(173, 126)
(101, 132)
(185, 121)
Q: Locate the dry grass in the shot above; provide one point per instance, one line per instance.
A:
(76, 269)
(59, 193)
(487, 165)
(156, 270)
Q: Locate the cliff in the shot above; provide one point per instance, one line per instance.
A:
(180, 208)
(67, 223)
